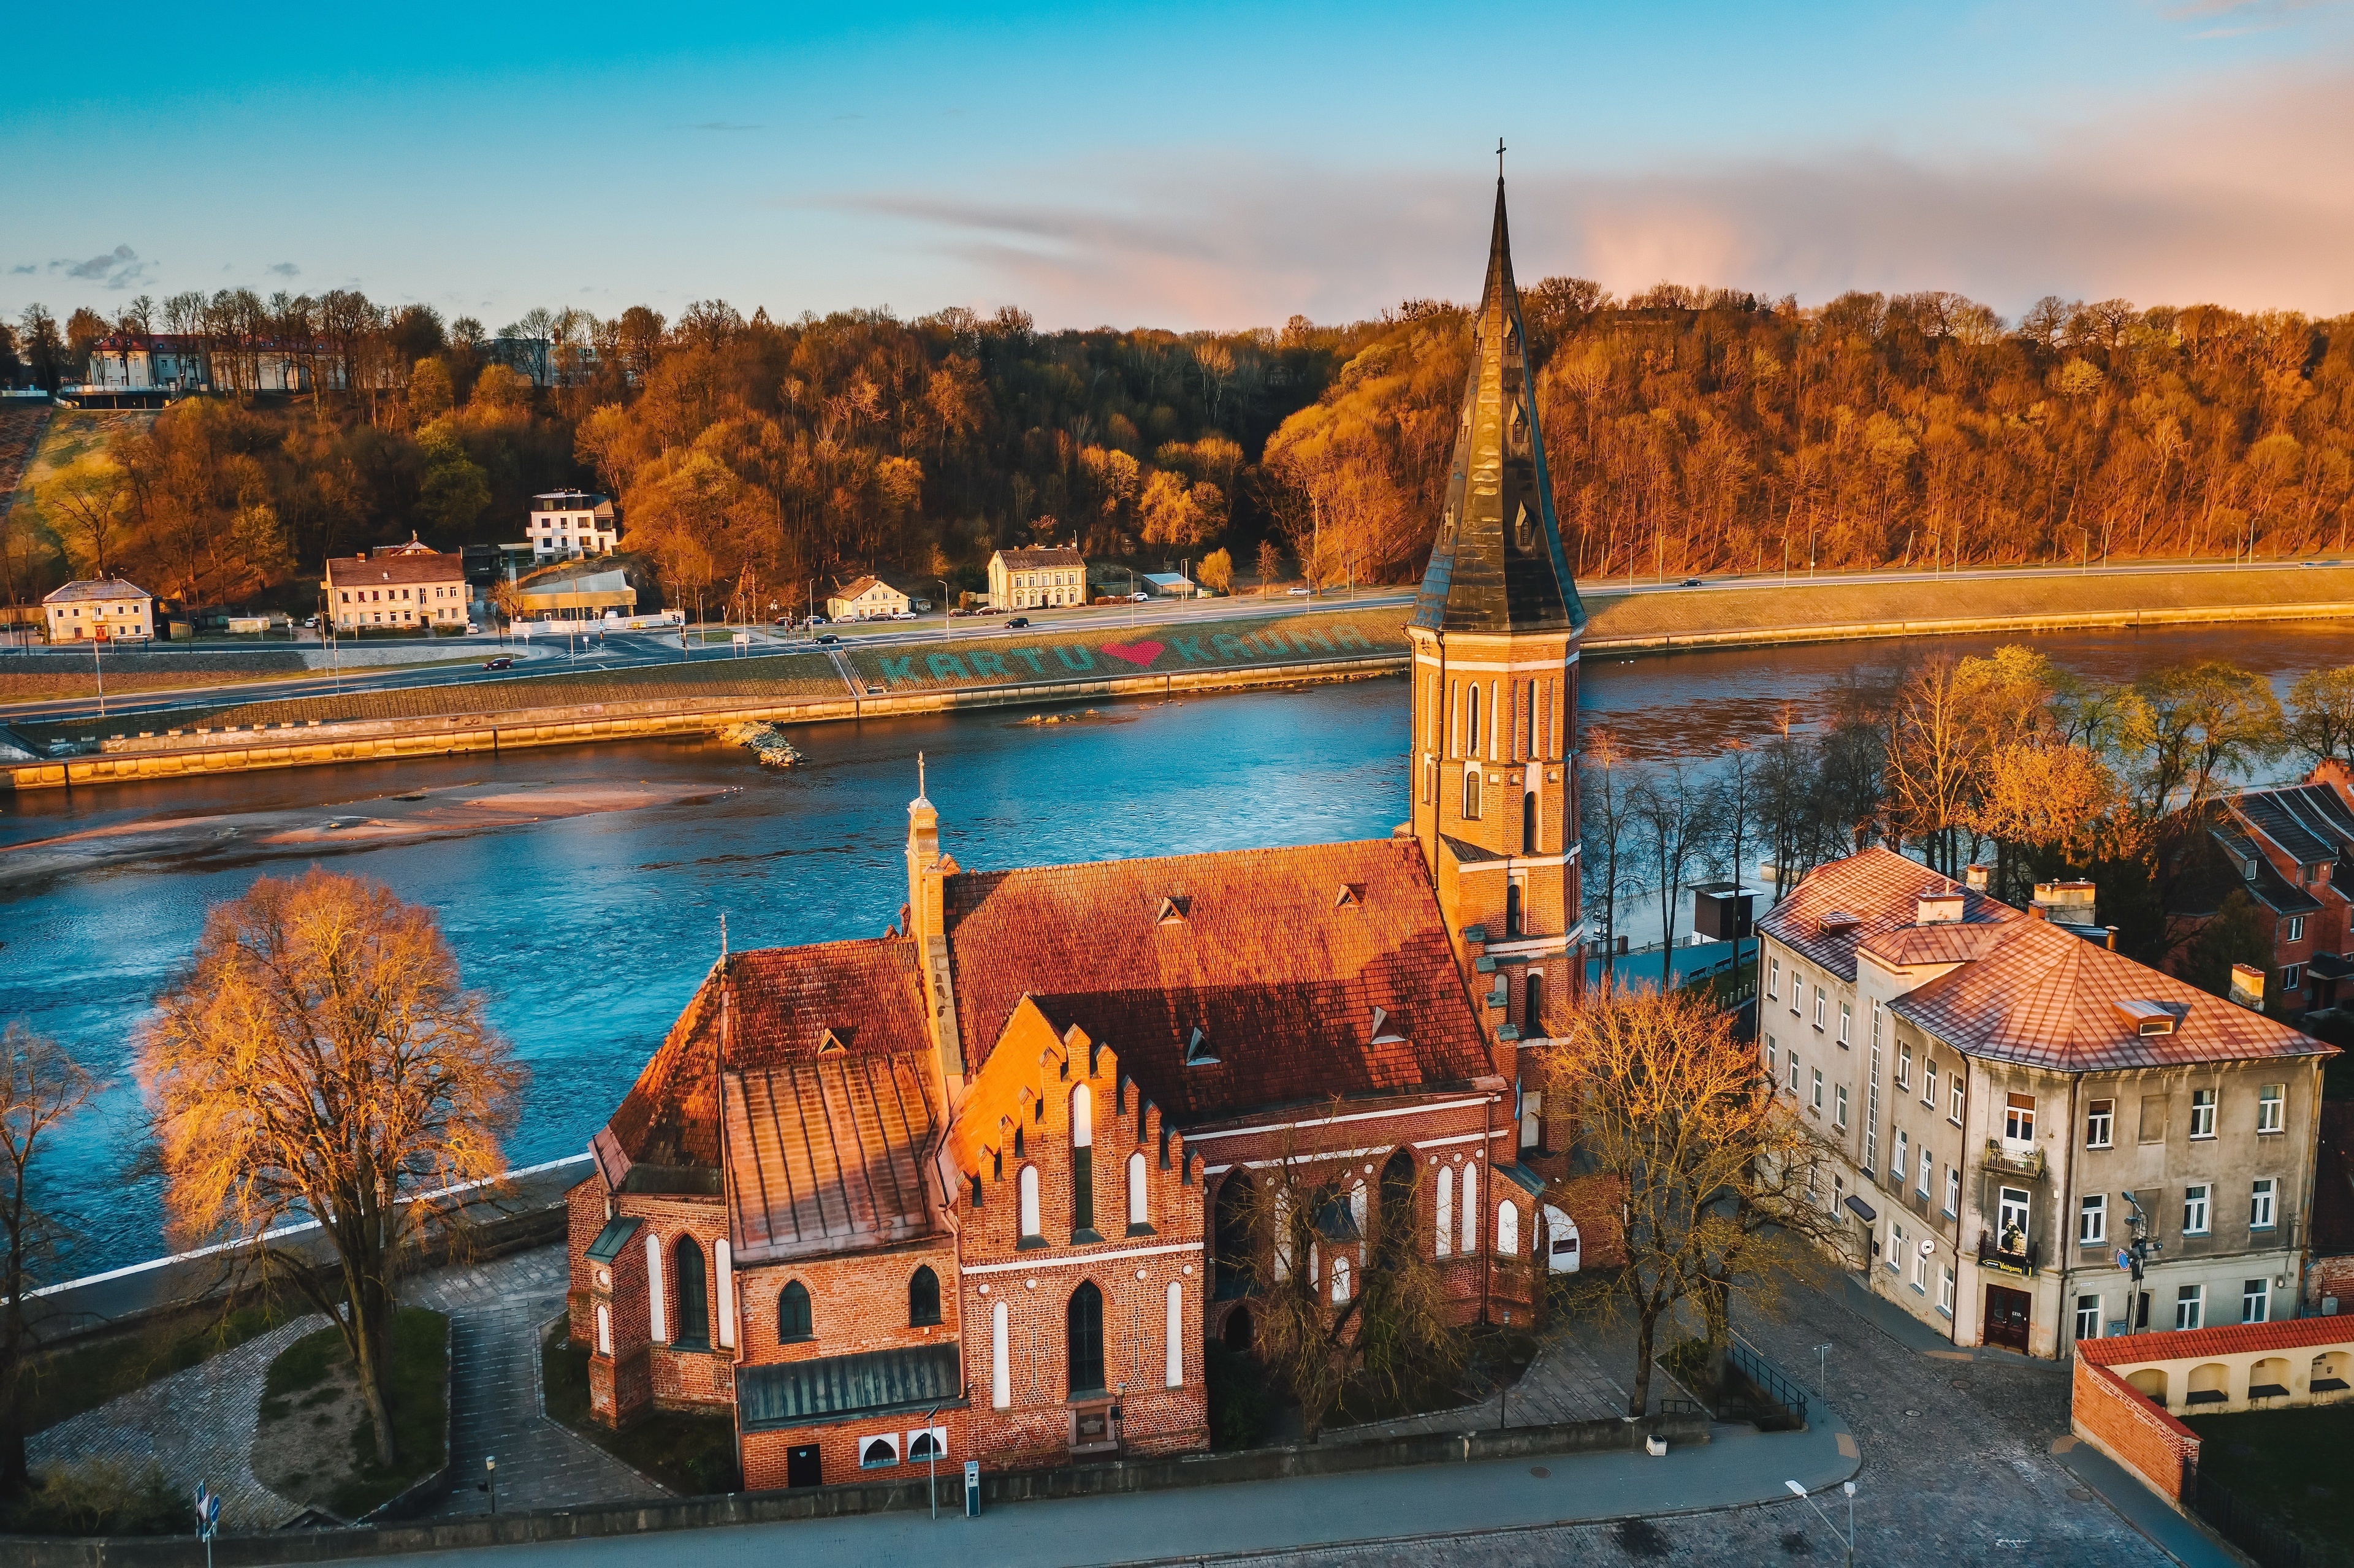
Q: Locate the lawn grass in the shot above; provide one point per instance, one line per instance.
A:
(70, 1381)
(694, 1456)
(1044, 653)
(2290, 1464)
(419, 1391)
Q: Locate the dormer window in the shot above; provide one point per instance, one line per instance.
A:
(1385, 1031)
(1197, 1051)
(829, 1043)
(2145, 1017)
(1838, 923)
(1173, 909)
(1350, 893)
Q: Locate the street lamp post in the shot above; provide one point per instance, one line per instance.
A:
(1847, 1540)
(491, 1485)
(948, 625)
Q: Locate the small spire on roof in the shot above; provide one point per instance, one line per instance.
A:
(920, 796)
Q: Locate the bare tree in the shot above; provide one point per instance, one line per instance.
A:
(319, 1060)
(1606, 790)
(43, 1086)
(1670, 809)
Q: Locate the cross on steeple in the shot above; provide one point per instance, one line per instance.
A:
(1500, 160)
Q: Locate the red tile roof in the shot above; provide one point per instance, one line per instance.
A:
(1882, 890)
(2234, 1338)
(2045, 998)
(398, 568)
(1278, 974)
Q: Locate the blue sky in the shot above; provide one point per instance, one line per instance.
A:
(1209, 165)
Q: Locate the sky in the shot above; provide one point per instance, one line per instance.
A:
(1215, 166)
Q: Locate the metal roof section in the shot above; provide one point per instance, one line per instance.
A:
(1497, 565)
(613, 1238)
(848, 1388)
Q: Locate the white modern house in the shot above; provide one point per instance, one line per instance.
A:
(567, 524)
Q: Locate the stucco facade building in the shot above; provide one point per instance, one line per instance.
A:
(969, 1186)
(2013, 1106)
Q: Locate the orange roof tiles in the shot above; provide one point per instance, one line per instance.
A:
(1281, 976)
(2232, 1338)
(1882, 890)
(2045, 998)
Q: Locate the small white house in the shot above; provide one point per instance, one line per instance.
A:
(99, 609)
(567, 524)
(866, 598)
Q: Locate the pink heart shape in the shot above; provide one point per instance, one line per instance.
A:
(1141, 654)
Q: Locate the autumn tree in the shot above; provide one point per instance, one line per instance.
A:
(1721, 1195)
(88, 502)
(1216, 571)
(319, 1059)
(2190, 728)
(43, 1086)
(1378, 1329)
(2322, 703)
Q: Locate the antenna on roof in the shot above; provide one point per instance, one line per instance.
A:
(920, 775)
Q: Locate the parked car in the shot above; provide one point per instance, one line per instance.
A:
(1019, 620)
(498, 663)
(1139, 598)
(471, 628)
(816, 620)
(904, 615)
(785, 621)
(311, 622)
(828, 638)
(1296, 593)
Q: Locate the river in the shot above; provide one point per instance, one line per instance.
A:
(589, 932)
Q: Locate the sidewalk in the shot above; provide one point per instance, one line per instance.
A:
(1738, 1465)
(2141, 1507)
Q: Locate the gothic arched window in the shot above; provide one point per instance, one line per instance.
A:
(923, 1297)
(693, 1326)
(794, 1313)
(1083, 1342)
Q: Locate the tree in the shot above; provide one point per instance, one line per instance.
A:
(1717, 1179)
(88, 502)
(1670, 816)
(2234, 935)
(430, 394)
(1270, 563)
(2191, 726)
(2323, 726)
(1605, 808)
(1323, 1332)
(44, 348)
(319, 1059)
(455, 489)
(44, 1085)
(1216, 571)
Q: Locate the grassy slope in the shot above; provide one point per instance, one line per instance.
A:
(695, 1456)
(1772, 607)
(1081, 653)
(419, 1394)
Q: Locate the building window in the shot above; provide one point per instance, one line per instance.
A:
(1508, 1232)
(1798, 991)
(1138, 1206)
(2296, 932)
(1471, 1211)
(1839, 1107)
(1772, 1065)
(1446, 1210)
(1902, 1162)
(1773, 979)
(793, 1323)
(2202, 1113)
(923, 1297)
(1895, 1246)
(1928, 1169)
(1929, 1083)
(2260, 1203)
(1083, 1340)
(2010, 1216)
(1952, 1190)
(2019, 1119)
(2292, 977)
(604, 1329)
(1173, 1339)
(1793, 1074)
(1001, 1359)
(1532, 1120)
(1903, 1066)
(1818, 1097)
(2269, 1101)
(1822, 1005)
(931, 1443)
(2194, 1211)
(1029, 1191)
(2189, 1306)
(694, 1303)
(657, 1319)
(1471, 794)
(2255, 1300)
(2088, 1317)
(1083, 1164)
(877, 1453)
(2092, 1221)
(1920, 1271)
(1954, 1098)
(2100, 1124)
(1846, 1019)
(1945, 1290)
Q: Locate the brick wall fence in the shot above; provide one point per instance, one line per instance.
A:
(898, 1497)
(2112, 1416)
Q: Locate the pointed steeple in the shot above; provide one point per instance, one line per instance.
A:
(1497, 565)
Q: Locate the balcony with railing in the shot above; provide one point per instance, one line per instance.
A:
(2012, 1253)
(2011, 1161)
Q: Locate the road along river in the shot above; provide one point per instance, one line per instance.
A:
(582, 888)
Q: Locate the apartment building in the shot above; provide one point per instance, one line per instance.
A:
(2037, 1140)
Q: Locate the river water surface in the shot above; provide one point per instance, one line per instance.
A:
(589, 931)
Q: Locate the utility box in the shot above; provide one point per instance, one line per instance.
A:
(1721, 911)
(973, 1488)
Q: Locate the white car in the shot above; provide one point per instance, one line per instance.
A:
(1296, 593)
(1140, 598)
(903, 615)
(471, 628)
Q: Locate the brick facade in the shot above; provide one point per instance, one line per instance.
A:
(2108, 1413)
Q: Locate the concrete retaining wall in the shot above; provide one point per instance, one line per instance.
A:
(2040, 621)
(380, 740)
(835, 1502)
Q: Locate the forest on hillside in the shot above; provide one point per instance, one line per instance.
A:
(1688, 430)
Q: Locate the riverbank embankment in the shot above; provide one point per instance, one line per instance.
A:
(1045, 666)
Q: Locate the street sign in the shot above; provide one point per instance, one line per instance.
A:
(2124, 1258)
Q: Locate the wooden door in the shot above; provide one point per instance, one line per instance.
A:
(2006, 1318)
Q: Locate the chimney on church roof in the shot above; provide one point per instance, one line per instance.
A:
(1497, 565)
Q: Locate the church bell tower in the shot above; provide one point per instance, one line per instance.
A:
(1495, 631)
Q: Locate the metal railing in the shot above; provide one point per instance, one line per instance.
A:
(2019, 1259)
(1771, 1400)
(2016, 1162)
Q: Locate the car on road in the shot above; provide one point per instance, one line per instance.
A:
(904, 615)
(498, 663)
(1692, 582)
(311, 622)
(471, 628)
(1140, 599)
(785, 621)
(1019, 620)
(816, 620)
(828, 638)
(1296, 593)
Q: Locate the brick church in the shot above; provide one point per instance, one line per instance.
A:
(956, 1191)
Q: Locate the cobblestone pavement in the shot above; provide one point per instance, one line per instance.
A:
(195, 1426)
(495, 1310)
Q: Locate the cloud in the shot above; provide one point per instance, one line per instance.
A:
(27, 267)
(724, 126)
(286, 269)
(117, 268)
(2220, 197)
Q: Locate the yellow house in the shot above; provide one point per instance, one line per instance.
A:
(1031, 580)
(866, 598)
(99, 609)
